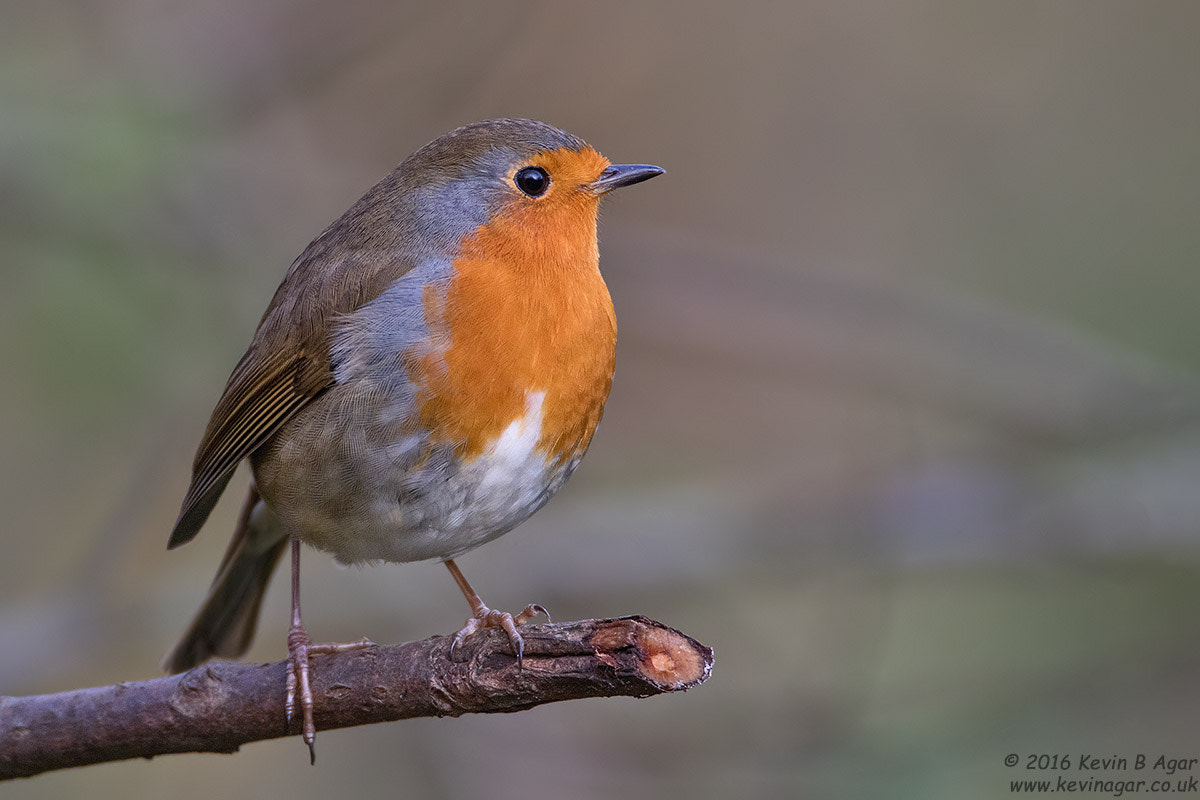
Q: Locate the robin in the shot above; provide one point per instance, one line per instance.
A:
(429, 372)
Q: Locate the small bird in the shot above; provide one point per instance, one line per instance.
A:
(430, 371)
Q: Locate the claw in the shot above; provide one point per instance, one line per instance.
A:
(473, 624)
(509, 625)
(484, 617)
(299, 686)
(300, 646)
(487, 618)
(297, 674)
(531, 611)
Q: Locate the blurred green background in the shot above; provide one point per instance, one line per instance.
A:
(905, 417)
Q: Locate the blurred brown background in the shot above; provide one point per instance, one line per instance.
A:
(905, 418)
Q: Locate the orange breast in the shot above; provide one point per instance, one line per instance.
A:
(527, 311)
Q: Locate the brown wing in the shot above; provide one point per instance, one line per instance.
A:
(287, 365)
(263, 392)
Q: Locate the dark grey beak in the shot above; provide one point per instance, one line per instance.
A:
(619, 175)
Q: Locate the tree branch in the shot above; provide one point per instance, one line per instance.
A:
(220, 706)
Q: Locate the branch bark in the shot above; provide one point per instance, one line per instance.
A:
(220, 706)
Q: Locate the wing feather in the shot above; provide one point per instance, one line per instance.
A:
(288, 363)
(256, 403)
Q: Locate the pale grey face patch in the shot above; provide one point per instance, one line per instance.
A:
(452, 209)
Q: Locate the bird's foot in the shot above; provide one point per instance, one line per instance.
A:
(299, 688)
(487, 618)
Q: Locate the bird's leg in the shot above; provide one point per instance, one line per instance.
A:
(484, 617)
(300, 647)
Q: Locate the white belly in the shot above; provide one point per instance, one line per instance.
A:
(483, 499)
(369, 500)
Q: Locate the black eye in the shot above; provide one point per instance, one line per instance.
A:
(533, 181)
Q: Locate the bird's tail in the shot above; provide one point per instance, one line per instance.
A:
(225, 624)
